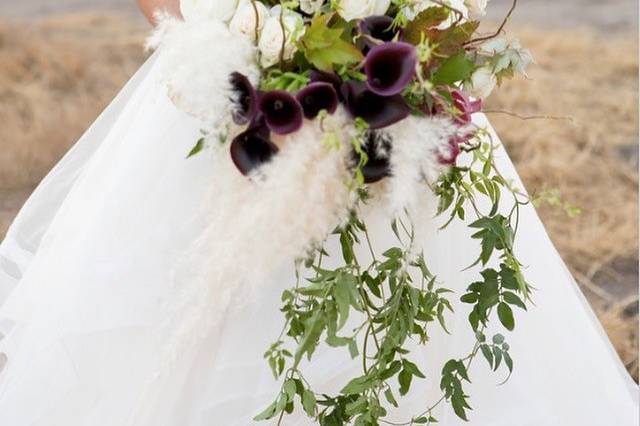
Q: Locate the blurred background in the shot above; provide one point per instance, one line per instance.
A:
(61, 62)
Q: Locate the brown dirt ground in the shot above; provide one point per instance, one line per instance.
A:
(57, 74)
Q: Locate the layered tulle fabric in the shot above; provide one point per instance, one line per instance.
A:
(111, 317)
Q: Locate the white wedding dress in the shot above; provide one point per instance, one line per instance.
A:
(109, 319)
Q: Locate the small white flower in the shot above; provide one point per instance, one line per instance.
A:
(244, 20)
(311, 6)
(508, 54)
(208, 9)
(272, 35)
(358, 9)
(482, 83)
(477, 8)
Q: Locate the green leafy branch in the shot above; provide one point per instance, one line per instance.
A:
(325, 47)
(373, 309)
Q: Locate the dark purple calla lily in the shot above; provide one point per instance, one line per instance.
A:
(252, 148)
(465, 106)
(326, 77)
(390, 67)
(317, 97)
(245, 99)
(377, 167)
(282, 112)
(377, 111)
(379, 27)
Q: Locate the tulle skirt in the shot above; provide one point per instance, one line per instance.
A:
(100, 258)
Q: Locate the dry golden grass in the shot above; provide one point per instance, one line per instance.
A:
(593, 162)
(56, 76)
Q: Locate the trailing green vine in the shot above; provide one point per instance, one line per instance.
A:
(393, 298)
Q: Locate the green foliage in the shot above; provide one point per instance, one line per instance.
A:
(553, 198)
(276, 79)
(199, 146)
(357, 142)
(325, 47)
(451, 40)
(453, 69)
(431, 17)
(393, 298)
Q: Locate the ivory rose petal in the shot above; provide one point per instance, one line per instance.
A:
(244, 20)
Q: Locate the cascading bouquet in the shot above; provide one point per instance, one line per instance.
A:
(383, 92)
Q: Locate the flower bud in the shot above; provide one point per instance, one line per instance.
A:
(482, 83)
(465, 106)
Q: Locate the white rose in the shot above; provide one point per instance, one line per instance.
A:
(477, 8)
(208, 9)
(358, 9)
(244, 20)
(270, 43)
(381, 7)
(482, 83)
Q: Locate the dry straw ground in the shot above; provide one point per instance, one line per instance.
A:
(57, 74)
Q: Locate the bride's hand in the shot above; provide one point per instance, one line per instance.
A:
(149, 7)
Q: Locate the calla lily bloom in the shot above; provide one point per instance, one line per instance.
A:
(378, 111)
(252, 148)
(379, 28)
(282, 112)
(317, 97)
(326, 77)
(390, 67)
(246, 99)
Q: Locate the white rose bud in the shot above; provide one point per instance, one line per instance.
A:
(208, 9)
(270, 42)
(244, 20)
(359, 9)
(482, 83)
(477, 8)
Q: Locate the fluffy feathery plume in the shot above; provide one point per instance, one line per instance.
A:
(417, 144)
(255, 226)
(197, 77)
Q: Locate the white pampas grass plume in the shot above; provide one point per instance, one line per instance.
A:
(417, 143)
(196, 59)
(295, 201)
(256, 226)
